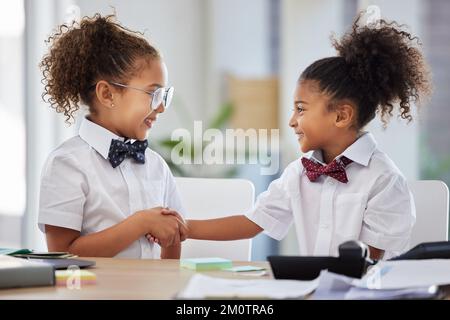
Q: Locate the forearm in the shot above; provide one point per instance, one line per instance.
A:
(227, 228)
(172, 252)
(109, 242)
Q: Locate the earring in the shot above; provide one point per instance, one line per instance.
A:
(112, 105)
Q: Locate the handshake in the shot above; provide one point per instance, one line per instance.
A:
(167, 228)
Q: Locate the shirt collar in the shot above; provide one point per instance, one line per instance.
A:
(359, 151)
(97, 137)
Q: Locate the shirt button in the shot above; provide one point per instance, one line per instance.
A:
(324, 225)
(331, 182)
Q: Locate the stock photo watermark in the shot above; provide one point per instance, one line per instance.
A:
(234, 146)
(73, 281)
(373, 16)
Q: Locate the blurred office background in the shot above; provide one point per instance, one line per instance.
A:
(247, 54)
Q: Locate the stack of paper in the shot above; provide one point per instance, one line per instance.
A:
(338, 287)
(403, 279)
(205, 287)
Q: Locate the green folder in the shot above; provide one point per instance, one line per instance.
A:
(10, 252)
(30, 254)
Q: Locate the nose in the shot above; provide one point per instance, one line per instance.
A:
(292, 121)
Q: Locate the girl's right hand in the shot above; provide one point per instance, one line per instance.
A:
(163, 227)
(182, 226)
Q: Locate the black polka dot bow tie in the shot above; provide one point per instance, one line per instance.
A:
(119, 150)
(335, 169)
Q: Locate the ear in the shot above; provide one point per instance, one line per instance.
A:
(105, 95)
(345, 115)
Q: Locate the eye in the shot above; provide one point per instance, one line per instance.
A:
(298, 108)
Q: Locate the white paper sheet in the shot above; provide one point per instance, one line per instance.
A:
(404, 274)
(203, 287)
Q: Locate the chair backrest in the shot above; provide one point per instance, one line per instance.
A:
(213, 198)
(431, 198)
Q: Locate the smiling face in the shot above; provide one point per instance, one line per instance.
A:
(126, 111)
(311, 119)
(134, 113)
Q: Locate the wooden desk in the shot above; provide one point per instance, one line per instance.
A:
(132, 279)
(127, 279)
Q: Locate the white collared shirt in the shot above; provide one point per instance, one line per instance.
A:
(375, 206)
(80, 190)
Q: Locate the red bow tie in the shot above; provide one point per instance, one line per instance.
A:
(336, 169)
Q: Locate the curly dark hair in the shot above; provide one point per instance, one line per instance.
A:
(377, 66)
(81, 54)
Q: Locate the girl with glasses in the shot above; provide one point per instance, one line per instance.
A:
(104, 190)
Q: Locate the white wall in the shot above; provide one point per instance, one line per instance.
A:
(400, 140)
(12, 96)
(177, 29)
(42, 123)
(241, 37)
(238, 44)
